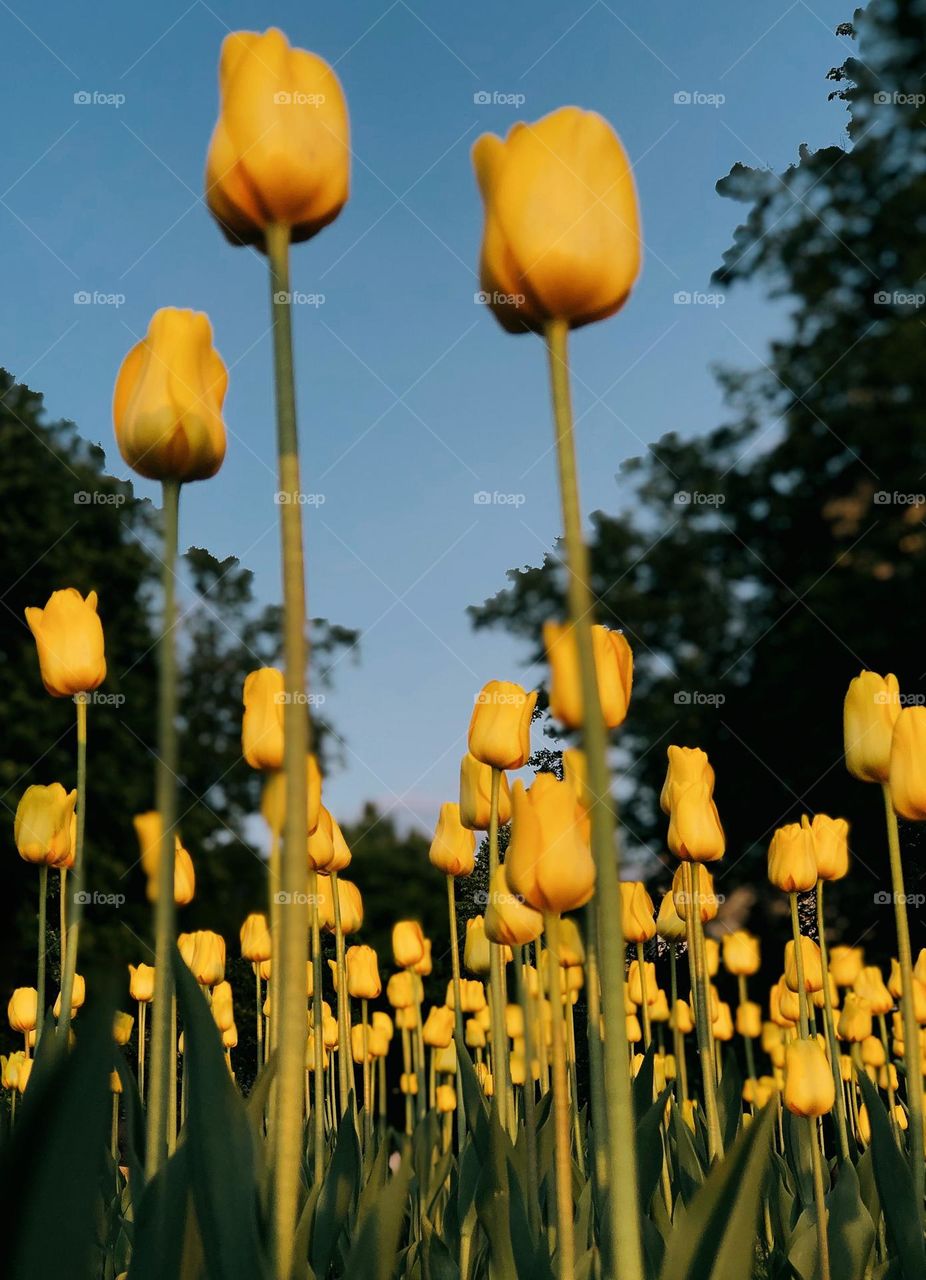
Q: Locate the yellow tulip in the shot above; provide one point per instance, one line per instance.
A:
(476, 796)
(148, 829)
(280, 152)
(749, 1019)
(349, 901)
(637, 912)
(613, 669)
(741, 953)
(871, 708)
(424, 966)
(669, 924)
(22, 1009)
(122, 1027)
(453, 849)
(383, 1023)
(846, 964)
(400, 990)
(22, 1075)
(870, 986)
(722, 1023)
(476, 950)
(500, 726)
(687, 766)
(508, 919)
(11, 1065)
(855, 1019)
(809, 1089)
(695, 831)
(255, 938)
(42, 827)
(363, 981)
(474, 1035)
(831, 846)
(549, 862)
(223, 1006)
(407, 943)
(701, 897)
(167, 403)
(69, 639)
(472, 996)
(78, 996)
(262, 722)
(273, 798)
(230, 1037)
(642, 988)
(792, 862)
(907, 768)
(445, 1095)
(562, 234)
(204, 954)
(571, 946)
(812, 964)
(141, 982)
(438, 1027)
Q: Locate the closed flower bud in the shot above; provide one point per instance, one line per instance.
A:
(474, 1034)
(230, 1037)
(453, 849)
(324, 852)
(687, 766)
(722, 1026)
(141, 982)
(400, 990)
(695, 832)
(204, 955)
(363, 973)
(508, 919)
(280, 152)
(122, 1027)
(255, 938)
(855, 1019)
(873, 1052)
(407, 943)
(350, 904)
(476, 952)
(262, 722)
(741, 953)
(637, 912)
(907, 771)
(870, 986)
(846, 964)
(701, 896)
(78, 996)
(23, 1074)
(562, 236)
(148, 828)
(445, 1095)
(749, 1019)
(223, 1006)
(711, 957)
(21, 1011)
(571, 946)
(167, 403)
(809, 1089)
(669, 924)
(871, 707)
(792, 863)
(408, 1082)
(438, 1027)
(69, 639)
(613, 669)
(273, 799)
(633, 1028)
(831, 846)
(42, 827)
(549, 862)
(642, 988)
(476, 796)
(812, 966)
(9, 1075)
(500, 726)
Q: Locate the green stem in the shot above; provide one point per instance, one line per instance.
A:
(747, 1042)
(497, 982)
(842, 1131)
(367, 1100)
(533, 1186)
(912, 1059)
(142, 1024)
(599, 1152)
(260, 1018)
(644, 1006)
(703, 1013)
(343, 1015)
(678, 1040)
(80, 872)
(799, 962)
(565, 1233)
(621, 1135)
(40, 975)
(823, 1248)
(292, 954)
(318, 1041)
(457, 1007)
(172, 1080)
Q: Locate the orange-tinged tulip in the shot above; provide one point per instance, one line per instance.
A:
(749, 1019)
(262, 722)
(811, 962)
(637, 912)
(273, 798)
(831, 846)
(613, 669)
(870, 986)
(280, 152)
(255, 938)
(669, 924)
(22, 1009)
(476, 795)
(855, 1019)
(148, 829)
(42, 827)
(204, 954)
(400, 990)
(476, 950)
(141, 982)
(453, 849)
(722, 1025)
(363, 981)
(846, 964)
(349, 902)
(424, 966)
(871, 707)
(167, 403)
(69, 639)
(562, 232)
(223, 1006)
(741, 953)
(695, 831)
(549, 862)
(500, 726)
(508, 919)
(792, 861)
(687, 765)
(907, 767)
(809, 1089)
(320, 846)
(701, 897)
(438, 1027)
(407, 943)
(445, 1097)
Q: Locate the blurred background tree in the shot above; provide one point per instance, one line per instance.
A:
(757, 569)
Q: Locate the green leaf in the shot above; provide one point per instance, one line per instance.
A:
(162, 1234)
(339, 1193)
(477, 1113)
(650, 1150)
(730, 1100)
(850, 1230)
(373, 1255)
(134, 1128)
(642, 1086)
(716, 1234)
(895, 1187)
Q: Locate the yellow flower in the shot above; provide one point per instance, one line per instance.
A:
(223, 1006)
(669, 924)
(453, 849)
(907, 768)
(167, 404)
(695, 831)
(613, 669)
(871, 707)
(749, 1019)
(438, 1027)
(141, 982)
(400, 990)
(476, 951)
(281, 147)
(870, 986)
(846, 964)
(446, 1098)
(148, 828)
(855, 1019)
(831, 846)
(562, 235)
(424, 966)
(69, 639)
(22, 1075)
(407, 943)
(549, 862)
(362, 973)
(476, 795)
(255, 938)
(687, 765)
(812, 965)
(262, 722)
(204, 954)
(500, 726)
(42, 827)
(637, 912)
(11, 1065)
(809, 1089)
(702, 895)
(78, 996)
(682, 1018)
(273, 798)
(741, 953)
(792, 862)
(508, 919)
(22, 1009)
(349, 902)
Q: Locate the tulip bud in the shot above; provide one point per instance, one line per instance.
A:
(78, 996)
(682, 1019)
(809, 1089)
(400, 990)
(749, 1019)
(846, 964)
(669, 924)
(262, 722)
(408, 1082)
(907, 766)
(701, 896)
(687, 766)
(42, 827)
(69, 639)
(122, 1027)
(141, 983)
(741, 954)
(438, 1027)
(812, 964)
(476, 796)
(613, 669)
(871, 708)
(500, 726)
(22, 1009)
(363, 981)
(792, 863)
(255, 938)
(273, 799)
(870, 986)
(508, 919)
(407, 943)
(204, 955)
(549, 862)
(223, 1006)
(453, 849)
(722, 1026)
(562, 238)
(695, 832)
(636, 912)
(831, 846)
(476, 951)
(642, 988)
(474, 1034)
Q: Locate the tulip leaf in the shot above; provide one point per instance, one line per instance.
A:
(690, 1169)
(338, 1194)
(163, 1229)
(134, 1129)
(730, 1100)
(375, 1247)
(650, 1150)
(59, 1142)
(715, 1237)
(895, 1187)
(642, 1087)
(221, 1147)
(477, 1114)
(850, 1230)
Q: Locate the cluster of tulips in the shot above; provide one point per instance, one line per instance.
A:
(569, 1106)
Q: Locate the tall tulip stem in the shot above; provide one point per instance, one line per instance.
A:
(292, 953)
(457, 1004)
(702, 1012)
(318, 1040)
(165, 912)
(623, 1204)
(842, 1133)
(344, 1050)
(40, 965)
(911, 1037)
(497, 981)
(77, 911)
(565, 1230)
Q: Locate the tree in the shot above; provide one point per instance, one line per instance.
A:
(762, 566)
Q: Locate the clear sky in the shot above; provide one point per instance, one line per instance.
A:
(411, 399)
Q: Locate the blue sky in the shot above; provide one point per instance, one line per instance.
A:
(411, 399)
